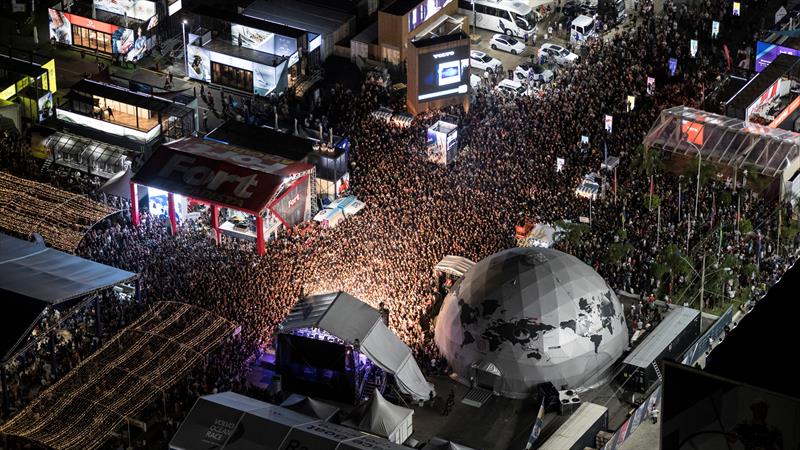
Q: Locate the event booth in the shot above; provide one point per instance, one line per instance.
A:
(334, 345)
(30, 84)
(125, 30)
(253, 193)
(442, 142)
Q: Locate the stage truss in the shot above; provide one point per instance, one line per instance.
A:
(133, 369)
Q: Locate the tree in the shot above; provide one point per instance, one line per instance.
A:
(617, 252)
(745, 226)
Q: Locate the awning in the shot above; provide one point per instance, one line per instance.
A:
(87, 155)
(119, 185)
(348, 318)
(454, 265)
(33, 276)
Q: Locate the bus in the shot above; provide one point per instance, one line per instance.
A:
(511, 17)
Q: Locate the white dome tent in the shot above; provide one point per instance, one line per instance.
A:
(526, 316)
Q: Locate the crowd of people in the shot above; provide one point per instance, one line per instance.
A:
(418, 212)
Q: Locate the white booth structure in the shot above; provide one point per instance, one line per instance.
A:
(442, 142)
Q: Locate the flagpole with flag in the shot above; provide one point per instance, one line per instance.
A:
(537, 427)
(652, 188)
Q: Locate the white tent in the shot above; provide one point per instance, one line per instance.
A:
(348, 318)
(379, 416)
(454, 265)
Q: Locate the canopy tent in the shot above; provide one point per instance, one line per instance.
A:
(231, 421)
(349, 319)
(310, 407)
(132, 370)
(454, 265)
(379, 416)
(61, 217)
(725, 141)
(33, 276)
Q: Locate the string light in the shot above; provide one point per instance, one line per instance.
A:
(130, 371)
(61, 217)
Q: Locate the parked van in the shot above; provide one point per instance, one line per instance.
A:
(582, 28)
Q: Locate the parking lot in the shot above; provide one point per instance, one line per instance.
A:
(482, 38)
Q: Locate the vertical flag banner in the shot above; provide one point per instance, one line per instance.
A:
(584, 140)
(560, 164)
(609, 123)
(714, 29)
(737, 8)
(631, 102)
(651, 85)
(673, 65)
(693, 47)
(537, 427)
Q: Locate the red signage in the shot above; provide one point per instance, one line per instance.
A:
(209, 180)
(91, 23)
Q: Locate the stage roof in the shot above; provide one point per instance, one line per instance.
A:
(659, 339)
(348, 318)
(33, 276)
(724, 140)
(230, 176)
(454, 265)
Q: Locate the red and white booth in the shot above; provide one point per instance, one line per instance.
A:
(276, 192)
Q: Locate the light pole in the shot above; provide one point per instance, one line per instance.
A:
(185, 57)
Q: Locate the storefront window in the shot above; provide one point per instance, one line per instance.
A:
(91, 39)
(232, 77)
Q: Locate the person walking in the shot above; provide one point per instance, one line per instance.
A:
(205, 120)
(654, 413)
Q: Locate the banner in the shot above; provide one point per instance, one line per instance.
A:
(651, 85)
(693, 47)
(631, 102)
(633, 421)
(609, 123)
(714, 29)
(537, 427)
(673, 65)
(737, 8)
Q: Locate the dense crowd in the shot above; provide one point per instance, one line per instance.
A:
(418, 212)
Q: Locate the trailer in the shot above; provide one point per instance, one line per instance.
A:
(642, 367)
(579, 430)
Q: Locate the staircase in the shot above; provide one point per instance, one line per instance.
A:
(369, 388)
(477, 397)
(46, 166)
(658, 372)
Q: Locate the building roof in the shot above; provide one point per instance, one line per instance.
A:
(575, 426)
(368, 35)
(20, 67)
(723, 140)
(659, 339)
(299, 14)
(226, 47)
(782, 65)
(248, 21)
(263, 139)
(120, 94)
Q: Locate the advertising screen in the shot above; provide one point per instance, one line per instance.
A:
(424, 11)
(199, 63)
(132, 44)
(444, 74)
(60, 26)
(45, 106)
(136, 9)
(766, 53)
(247, 37)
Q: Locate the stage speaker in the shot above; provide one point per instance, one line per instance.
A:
(568, 402)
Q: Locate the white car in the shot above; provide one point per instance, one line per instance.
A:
(558, 54)
(533, 72)
(482, 61)
(507, 44)
(511, 87)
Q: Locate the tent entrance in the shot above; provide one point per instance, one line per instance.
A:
(487, 376)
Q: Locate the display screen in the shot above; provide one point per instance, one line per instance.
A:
(424, 11)
(444, 74)
(766, 53)
(136, 9)
(291, 206)
(70, 29)
(199, 62)
(253, 38)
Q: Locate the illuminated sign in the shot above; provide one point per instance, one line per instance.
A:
(443, 74)
(766, 53)
(137, 9)
(714, 29)
(424, 11)
(315, 43)
(693, 132)
(785, 113)
(174, 7)
(609, 120)
(737, 8)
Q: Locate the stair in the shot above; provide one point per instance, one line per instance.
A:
(47, 163)
(477, 397)
(658, 372)
(369, 388)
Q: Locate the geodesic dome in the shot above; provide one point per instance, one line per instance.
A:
(526, 316)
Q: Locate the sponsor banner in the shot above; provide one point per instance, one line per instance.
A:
(291, 206)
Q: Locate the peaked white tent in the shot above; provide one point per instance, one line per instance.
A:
(348, 318)
(379, 416)
(454, 265)
(310, 407)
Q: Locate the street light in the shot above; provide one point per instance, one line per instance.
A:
(185, 57)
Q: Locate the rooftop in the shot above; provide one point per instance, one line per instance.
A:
(657, 341)
(16, 66)
(100, 15)
(224, 46)
(401, 7)
(298, 14)
(119, 94)
(248, 21)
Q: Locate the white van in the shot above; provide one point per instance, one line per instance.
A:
(582, 28)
